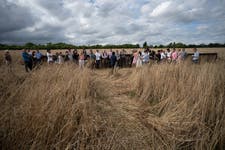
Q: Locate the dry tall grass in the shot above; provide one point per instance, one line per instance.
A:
(185, 105)
(155, 107)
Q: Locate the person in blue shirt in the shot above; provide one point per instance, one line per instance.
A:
(27, 60)
(38, 56)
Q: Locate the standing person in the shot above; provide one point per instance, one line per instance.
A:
(158, 56)
(8, 61)
(55, 58)
(33, 57)
(135, 57)
(145, 57)
(49, 57)
(70, 55)
(113, 61)
(168, 55)
(162, 55)
(85, 54)
(179, 56)
(139, 60)
(8, 58)
(92, 59)
(66, 58)
(183, 54)
(123, 58)
(118, 58)
(38, 57)
(81, 60)
(105, 58)
(75, 56)
(110, 53)
(152, 55)
(174, 55)
(60, 58)
(29, 52)
(27, 60)
(195, 57)
(109, 56)
(97, 58)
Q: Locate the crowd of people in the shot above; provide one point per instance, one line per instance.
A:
(103, 59)
(174, 56)
(94, 60)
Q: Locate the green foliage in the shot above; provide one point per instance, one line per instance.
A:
(145, 44)
(30, 45)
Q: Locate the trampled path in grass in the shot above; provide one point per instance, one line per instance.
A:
(122, 95)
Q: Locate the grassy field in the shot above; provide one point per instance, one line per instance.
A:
(158, 106)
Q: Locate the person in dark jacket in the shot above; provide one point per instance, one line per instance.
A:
(113, 61)
(8, 58)
(27, 60)
(75, 56)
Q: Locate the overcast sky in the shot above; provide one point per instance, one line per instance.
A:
(112, 21)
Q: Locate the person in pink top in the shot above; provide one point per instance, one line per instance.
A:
(174, 55)
(135, 58)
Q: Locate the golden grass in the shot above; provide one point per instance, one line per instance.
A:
(155, 107)
(185, 104)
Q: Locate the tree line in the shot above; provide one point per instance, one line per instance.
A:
(71, 46)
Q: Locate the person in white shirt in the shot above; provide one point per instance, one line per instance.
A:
(139, 60)
(60, 58)
(49, 57)
(97, 58)
(163, 55)
(70, 55)
(145, 57)
(142, 53)
(30, 52)
(169, 55)
(195, 57)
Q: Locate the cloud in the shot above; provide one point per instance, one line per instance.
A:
(112, 21)
(9, 17)
(161, 9)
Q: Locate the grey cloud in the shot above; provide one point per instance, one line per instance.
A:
(111, 21)
(48, 34)
(106, 7)
(14, 17)
(55, 8)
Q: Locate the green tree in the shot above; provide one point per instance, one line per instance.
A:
(145, 44)
(30, 45)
